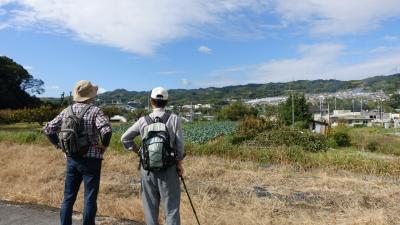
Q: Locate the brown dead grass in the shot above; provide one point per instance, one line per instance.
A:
(224, 192)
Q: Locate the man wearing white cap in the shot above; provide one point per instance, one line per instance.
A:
(161, 184)
(86, 166)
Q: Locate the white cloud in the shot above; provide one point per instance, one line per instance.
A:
(322, 61)
(101, 90)
(391, 38)
(52, 87)
(319, 61)
(185, 82)
(338, 17)
(134, 26)
(170, 72)
(142, 26)
(204, 49)
(29, 68)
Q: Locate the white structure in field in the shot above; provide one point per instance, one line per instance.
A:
(118, 118)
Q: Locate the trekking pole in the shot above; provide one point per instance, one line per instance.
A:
(190, 200)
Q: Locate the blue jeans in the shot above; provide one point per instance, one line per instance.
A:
(87, 170)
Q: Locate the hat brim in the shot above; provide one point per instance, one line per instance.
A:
(92, 93)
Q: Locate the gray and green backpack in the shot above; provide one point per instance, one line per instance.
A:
(156, 152)
(74, 139)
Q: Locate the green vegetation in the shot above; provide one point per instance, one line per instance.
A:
(236, 111)
(267, 142)
(296, 106)
(341, 137)
(202, 132)
(197, 132)
(375, 140)
(30, 115)
(16, 85)
(23, 137)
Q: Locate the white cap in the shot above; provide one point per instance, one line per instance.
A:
(159, 93)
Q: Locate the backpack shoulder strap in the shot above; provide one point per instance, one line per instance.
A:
(71, 111)
(148, 120)
(83, 111)
(165, 117)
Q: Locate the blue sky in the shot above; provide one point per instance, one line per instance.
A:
(137, 45)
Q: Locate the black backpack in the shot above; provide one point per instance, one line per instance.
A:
(156, 152)
(74, 140)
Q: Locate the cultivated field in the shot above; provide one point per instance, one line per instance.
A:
(224, 191)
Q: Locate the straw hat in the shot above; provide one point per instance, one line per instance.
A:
(84, 90)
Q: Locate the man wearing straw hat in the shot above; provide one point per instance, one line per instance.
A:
(87, 166)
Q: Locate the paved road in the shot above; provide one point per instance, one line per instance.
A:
(15, 214)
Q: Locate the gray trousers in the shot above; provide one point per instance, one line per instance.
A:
(161, 186)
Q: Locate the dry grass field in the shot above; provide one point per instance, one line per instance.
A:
(223, 191)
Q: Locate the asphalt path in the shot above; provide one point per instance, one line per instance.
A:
(25, 214)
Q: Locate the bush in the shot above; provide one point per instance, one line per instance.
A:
(292, 137)
(372, 146)
(332, 143)
(236, 111)
(342, 138)
(111, 111)
(40, 115)
(251, 126)
(301, 124)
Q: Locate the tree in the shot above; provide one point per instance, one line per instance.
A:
(394, 101)
(16, 85)
(111, 111)
(300, 108)
(236, 111)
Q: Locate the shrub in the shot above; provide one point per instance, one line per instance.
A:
(111, 111)
(301, 124)
(236, 111)
(40, 115)
(251, 126)
(342, 138)
(372, 146)
(292, 137)
(332, 143)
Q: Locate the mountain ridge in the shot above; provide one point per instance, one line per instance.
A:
(220, 95)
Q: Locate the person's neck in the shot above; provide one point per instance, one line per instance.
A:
(158, 109)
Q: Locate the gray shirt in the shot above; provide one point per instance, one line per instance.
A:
(174, 129)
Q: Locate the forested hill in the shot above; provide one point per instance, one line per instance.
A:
(213, 95)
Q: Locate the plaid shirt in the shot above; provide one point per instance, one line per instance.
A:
(94, 121)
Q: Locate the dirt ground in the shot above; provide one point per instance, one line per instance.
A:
(223, 191)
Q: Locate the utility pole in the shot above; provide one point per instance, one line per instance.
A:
(361, 105)
(320, 107)
(291, 94)
(191, 112)
(62, 97)
(292, 110)
(335, 102)
(329, 116)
